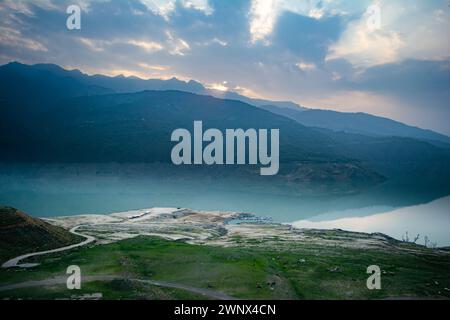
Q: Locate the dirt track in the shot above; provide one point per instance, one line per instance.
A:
(62, 280)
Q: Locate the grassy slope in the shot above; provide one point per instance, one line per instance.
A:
(116, 289)
(20, 234)
(247, 271)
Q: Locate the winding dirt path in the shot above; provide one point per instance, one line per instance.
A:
(63, 279)
(14, 262)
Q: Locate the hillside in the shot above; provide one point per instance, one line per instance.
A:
(81, 126)
(136, 128)
(32, 85)
(359, 123)
(51, 81)
(20, 234)
(199, 252)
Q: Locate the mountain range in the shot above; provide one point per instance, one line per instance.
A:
(358, 122)
(83, 84)
(49, 114)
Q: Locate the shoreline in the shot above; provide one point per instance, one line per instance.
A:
(205, 227)
(193, 252)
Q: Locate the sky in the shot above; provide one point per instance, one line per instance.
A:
(386, 57)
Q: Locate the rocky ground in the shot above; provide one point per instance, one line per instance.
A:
(221, 229)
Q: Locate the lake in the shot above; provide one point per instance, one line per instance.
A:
(394, 207)
(426, 221)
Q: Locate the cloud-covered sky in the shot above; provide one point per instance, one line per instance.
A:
(328, 54)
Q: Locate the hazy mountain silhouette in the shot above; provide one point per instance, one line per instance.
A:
(82, 84)
(360, 123)
(49, 114)
(64, 83)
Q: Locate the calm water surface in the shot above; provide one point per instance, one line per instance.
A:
(392, 208)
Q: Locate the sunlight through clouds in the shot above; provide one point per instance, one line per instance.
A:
(166, 7)
(317, 53)
(146, 45)
(263, 17)
(408, 31)
(304, 66)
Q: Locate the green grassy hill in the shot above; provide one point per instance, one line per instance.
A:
(250, 269)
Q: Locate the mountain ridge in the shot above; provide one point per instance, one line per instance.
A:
(74, 126)
(358, 122)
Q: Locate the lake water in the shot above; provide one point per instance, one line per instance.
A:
(393, 208)
(430, 220)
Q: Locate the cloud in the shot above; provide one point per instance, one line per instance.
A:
(177, 46)
(416, 91)
(25, 7)
(263, 14)
(92, 44)
(13, 38)
(166, 8)
(306, 37)
(364, 47)
(409, 30)
(409, 77)
(152, 67)
(160, 7)
(318, 53)
(218, 86)
(201, 5)
(271, 10)
(149, 46)
(304, 66)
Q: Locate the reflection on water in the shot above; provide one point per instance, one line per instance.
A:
(55, 190)
(431, 220)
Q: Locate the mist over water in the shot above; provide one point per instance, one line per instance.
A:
(394, 207)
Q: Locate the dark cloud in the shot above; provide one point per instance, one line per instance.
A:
(307, 37)
(410, 77)
(227, 22)
(421, 88)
